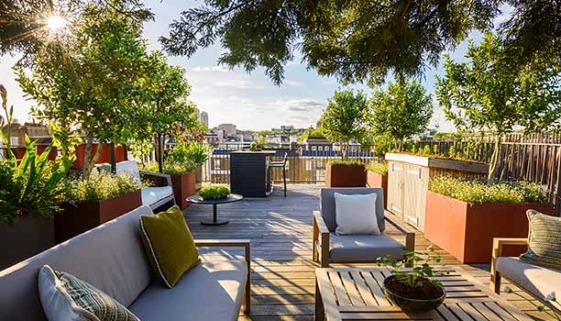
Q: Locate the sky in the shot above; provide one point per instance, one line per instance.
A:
(250, 101)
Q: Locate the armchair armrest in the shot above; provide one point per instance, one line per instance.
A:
(320, 239)
(157, 179)
(403, 228)
(498, 245)
(246, 244)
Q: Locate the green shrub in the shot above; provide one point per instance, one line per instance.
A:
(349, 162)
(170, 168)
(195, 153)
(214, 192)
(378, 168)
(473, 191)
(99, 186)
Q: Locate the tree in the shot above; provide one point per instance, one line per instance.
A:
(342, 120)
(491, 94)
(354, 40)
(91, 84)
(400, 111)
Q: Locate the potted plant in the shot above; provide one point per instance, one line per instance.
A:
(30, 196)
(377, 176)
(463, 216)
(94, 201)
(414, 289)
(214, 192)
(347, 173)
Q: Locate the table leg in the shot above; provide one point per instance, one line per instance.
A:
(319, 311)
(215, 220)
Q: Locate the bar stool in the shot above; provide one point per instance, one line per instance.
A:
(279, 165)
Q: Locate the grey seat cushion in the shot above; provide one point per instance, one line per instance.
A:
(212, 291)
(327, 204)
(541, 281)
(110, 257)
(363, 248)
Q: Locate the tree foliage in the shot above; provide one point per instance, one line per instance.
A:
(489, 93)
(400, 111)
(343, 118)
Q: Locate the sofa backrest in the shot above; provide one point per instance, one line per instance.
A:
(327, 204)
(129, 168)
(111, 257)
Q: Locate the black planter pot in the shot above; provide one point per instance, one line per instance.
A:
(413, 305)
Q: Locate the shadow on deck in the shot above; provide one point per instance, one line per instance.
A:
(280, 230)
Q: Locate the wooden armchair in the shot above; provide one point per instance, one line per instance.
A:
(329, 247)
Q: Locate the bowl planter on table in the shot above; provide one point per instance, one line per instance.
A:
(79, 218)
(374, 179)
(31, 235)
(345, 176)
(420, 303)
(467, 230)
(184, 185)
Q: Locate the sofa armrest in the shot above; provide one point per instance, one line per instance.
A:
(403, 228)
(246, 244)
(320, 239)
(158, 179)
(498, 245)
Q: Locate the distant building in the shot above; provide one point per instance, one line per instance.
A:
(212, 139)
(229, 129)
(35, 132)
(203, 117)
(317, 144)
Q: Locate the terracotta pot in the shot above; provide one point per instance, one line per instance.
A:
(345, 176)
(77, 219)
(378, 180)
(184, 186)
(467, 230)
(31, 235)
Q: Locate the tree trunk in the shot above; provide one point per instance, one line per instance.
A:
(495, 158)
(89, 144)
(160, 153)
(113, 159)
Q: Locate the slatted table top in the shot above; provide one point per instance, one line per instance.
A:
(356, 294)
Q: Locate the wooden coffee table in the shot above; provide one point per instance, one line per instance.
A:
(356, 294)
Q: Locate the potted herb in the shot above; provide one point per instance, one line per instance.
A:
(94, 201)
(377, 176)
(414, 289)
(345, 173)
(30, 195)
(214, 192)
(463, 216)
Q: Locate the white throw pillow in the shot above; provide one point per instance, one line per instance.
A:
(356, 214)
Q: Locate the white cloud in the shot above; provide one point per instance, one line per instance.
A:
(292, 83)
(211, 68)
(239, 84)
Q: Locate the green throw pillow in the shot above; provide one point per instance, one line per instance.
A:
(544, 240)
(169, 245)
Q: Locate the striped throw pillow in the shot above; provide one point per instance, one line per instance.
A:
(544, 240)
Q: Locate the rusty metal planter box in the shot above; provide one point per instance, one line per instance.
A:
(378, 180)
(345, 176)
(467, 230)
(184, 185)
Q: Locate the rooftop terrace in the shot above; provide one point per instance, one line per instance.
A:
(280, 230)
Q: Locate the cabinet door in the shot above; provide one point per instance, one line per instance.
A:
(416, 182)
(395, 188)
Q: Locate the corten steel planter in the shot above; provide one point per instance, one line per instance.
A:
(184, 185)
(345, 176)
(77, 219)
(378, 180)
(31, 235)
(467, 230)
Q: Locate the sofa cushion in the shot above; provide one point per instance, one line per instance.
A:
(540, 281)
(92, 304)
(327, 204)
(169, 245)
(129, 168)
(356, 214)
(363, 248)
(543, 240)
(150, 195)
(211, 291)
(110, 257)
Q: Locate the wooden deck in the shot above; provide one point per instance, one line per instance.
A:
(280, 230)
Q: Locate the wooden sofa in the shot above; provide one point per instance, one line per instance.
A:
(111, 257)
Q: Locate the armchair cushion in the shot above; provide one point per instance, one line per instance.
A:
(151, 195)
(363, 248)
(327, 204)
(356, 214)
(538, 280)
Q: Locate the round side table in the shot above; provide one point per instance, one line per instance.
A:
(196, 199)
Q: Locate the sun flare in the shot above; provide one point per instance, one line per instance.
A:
(56, 23)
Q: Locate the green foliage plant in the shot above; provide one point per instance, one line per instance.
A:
(347, 162)
(188, 155)
(378, 168)
(214, 192)
(401, 110)
(343, 119)
(100, 185)
(422, 269)
(473, 191)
